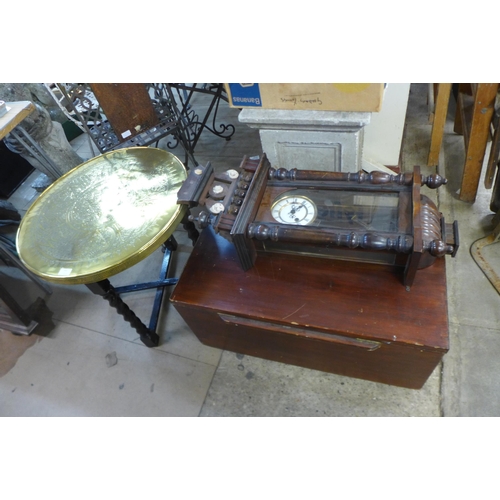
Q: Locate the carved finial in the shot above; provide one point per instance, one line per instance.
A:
(380, 177)
(362, 176)
(439, 248)
(258, 231)
(353, 240)
(433, 181)
(280, 173)
(203, 219)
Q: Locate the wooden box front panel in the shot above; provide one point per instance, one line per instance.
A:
(387, 363)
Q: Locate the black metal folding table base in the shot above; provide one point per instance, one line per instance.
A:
(105, 289)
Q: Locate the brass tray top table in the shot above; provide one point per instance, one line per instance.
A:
(103, 217)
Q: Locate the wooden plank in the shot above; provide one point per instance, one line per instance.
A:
(463, 89)
(439, 120)
(17, 112)
(418, 243)
(127, 106)
(493, 159)
(244, 246)
(484, 101)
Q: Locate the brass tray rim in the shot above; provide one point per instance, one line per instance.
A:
(145, 251)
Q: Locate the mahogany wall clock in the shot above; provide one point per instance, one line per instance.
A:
(370, 217)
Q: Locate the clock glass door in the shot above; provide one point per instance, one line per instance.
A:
(354, 210)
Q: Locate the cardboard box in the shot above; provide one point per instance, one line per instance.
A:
(311, 96)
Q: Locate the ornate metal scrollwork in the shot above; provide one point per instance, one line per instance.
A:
(195, 124)
(173, 105)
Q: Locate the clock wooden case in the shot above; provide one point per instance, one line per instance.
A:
(370, 217)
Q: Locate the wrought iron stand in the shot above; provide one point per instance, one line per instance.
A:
(195, 124)
(173, 104)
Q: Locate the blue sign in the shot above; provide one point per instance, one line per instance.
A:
(245, 94)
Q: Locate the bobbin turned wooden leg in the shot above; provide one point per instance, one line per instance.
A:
(106, 290)
(189, 226)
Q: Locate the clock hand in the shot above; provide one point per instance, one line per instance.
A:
(294, 209)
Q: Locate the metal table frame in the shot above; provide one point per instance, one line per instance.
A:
(21, 135)
(19, 140)
(112, 295)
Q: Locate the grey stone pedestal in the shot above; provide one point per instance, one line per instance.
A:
(312, 140)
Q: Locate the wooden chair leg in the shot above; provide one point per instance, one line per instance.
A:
(482, 114)
(458, 126)
(493, 159)
(440, 112)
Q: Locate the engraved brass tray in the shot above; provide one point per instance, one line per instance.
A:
(103, 216)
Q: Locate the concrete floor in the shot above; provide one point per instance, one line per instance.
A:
(63, 368)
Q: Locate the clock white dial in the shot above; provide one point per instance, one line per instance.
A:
(297, 210)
